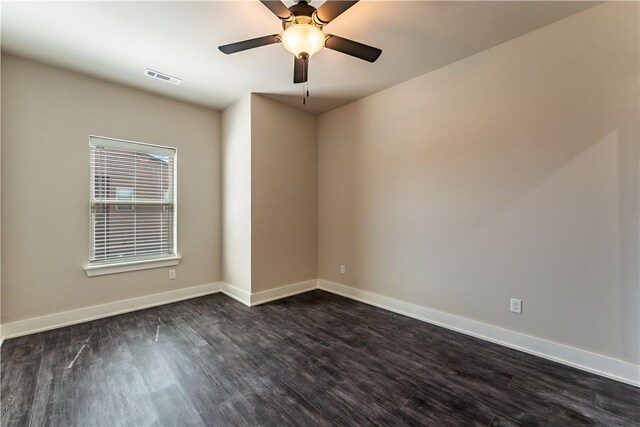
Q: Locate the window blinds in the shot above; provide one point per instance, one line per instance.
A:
(132, 201)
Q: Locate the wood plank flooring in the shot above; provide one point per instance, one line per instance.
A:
(312, 359)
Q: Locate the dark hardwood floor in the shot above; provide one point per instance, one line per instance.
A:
(312, 359)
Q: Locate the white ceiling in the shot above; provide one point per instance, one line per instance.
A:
(119, 40)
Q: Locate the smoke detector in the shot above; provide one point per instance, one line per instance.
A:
(163, 77)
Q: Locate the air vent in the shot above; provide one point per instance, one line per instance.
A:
(163, 77)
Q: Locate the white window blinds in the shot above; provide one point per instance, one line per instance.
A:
(132, 201)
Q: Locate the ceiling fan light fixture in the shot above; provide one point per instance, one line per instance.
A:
(300, 39)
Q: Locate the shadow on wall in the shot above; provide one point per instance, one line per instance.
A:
(484, 206)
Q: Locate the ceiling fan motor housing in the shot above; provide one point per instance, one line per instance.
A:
(302, 9)
(303, 13)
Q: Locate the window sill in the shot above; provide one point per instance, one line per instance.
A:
(121, 267)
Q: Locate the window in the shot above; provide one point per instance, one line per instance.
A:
(124, 193)
(132, 205)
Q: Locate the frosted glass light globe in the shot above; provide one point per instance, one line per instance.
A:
(303, 38)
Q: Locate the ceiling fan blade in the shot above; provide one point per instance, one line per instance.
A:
(249, 44)
(300, 70)
(278, 9)
(350, 47)
(331, 9)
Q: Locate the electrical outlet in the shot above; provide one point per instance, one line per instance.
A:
(343, 269)
(516, 305)
(172, 274)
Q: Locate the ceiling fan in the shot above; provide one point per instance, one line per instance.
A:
(303, 35)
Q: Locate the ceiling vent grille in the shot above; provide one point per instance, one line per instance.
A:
(163, 77)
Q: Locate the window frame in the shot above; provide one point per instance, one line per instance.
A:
(97, 268)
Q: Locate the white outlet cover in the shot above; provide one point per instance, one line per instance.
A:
(172, 274)
(516, 305)
(343, 269)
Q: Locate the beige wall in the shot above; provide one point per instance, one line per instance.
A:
(512, 173)
(0, 204)
(236, 189)
(284, 195)
(47, 116)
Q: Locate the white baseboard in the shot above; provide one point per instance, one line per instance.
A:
(605, 366)
(236, 293)
(592, 362)
(283, 292)
(86, 314)
(253, 299)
